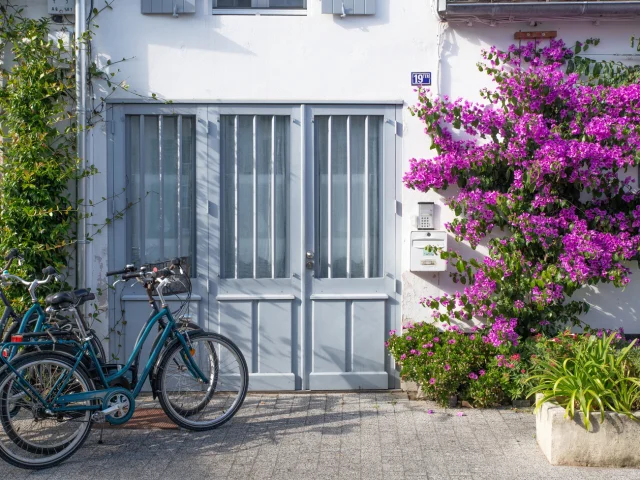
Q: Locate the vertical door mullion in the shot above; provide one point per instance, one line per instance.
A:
(142, 199)
(179, 183)
(273, 196)
(160, 195)
(366, 197)
(329, 233)
(236, 124)
(349, 196)
(255, 196)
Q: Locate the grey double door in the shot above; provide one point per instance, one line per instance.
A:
(294, 239)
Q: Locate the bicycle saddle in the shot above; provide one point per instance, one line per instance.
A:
(67, 299)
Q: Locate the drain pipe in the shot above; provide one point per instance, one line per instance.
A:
(81, 119)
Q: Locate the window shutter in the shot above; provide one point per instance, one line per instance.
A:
(168, 6)
(349, 7)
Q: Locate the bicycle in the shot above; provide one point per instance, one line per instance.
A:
(34, 322)
(201, 382)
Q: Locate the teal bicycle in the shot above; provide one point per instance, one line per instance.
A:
(200, 379)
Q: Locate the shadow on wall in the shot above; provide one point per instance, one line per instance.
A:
(612, 307)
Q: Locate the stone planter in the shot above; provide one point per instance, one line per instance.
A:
(614, 443)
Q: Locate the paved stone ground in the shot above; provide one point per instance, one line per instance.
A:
(328, 436)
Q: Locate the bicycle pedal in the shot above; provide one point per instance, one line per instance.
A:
(98, 417)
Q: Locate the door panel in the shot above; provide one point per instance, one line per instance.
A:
(352, 286)
(255, 286)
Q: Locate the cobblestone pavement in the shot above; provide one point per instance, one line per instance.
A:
(328, 436)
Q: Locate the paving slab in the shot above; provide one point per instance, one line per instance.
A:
(303, 436)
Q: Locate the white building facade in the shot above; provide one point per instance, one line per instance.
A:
(277, 169)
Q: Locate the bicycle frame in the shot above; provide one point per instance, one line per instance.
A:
(35, 308)
(59, 404)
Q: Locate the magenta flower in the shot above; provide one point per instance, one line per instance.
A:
(447, 368)
(432, 381)
(481, 372)
(472, 337)
(403, 356)
(460, 414)
(430, 354)
(430, 412)
(452, 341)
(392, 332)
(436, 339)
(413, 352)
(409, 337)
(473, 376)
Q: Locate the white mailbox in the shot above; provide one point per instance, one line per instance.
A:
(425, 261)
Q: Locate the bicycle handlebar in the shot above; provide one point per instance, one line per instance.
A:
(127, 269)
(11, 256)
(13, 253)
(165, 272)
(8, 276)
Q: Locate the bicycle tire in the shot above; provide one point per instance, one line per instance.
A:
(187, 412)
(169, 407)
(64, 450)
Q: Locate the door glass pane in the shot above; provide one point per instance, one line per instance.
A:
(228, 226)
(321, 145)
(134, 191)
(169, 180)
(245, 196)
(263, 147)
(151, 201)
(374, 161)
(348, 153)
(338, 212)
(281, 196)
(186, 211)
(161, 157)
(257, 147)
(358, 237)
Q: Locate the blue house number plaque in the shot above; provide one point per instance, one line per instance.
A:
(420, 78)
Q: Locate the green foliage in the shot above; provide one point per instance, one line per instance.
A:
(609, 73)
(450, 362)
(39, 162)
(594, 376)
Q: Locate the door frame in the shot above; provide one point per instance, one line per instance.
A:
(208, 165)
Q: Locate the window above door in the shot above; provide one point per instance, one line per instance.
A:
(259, 7)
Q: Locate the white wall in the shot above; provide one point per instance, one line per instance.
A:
(318, 58)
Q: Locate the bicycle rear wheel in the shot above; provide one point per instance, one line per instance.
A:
(195, 405)
(33, 438)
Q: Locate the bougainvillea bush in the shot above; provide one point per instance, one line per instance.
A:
(446, 362)
(543, 168)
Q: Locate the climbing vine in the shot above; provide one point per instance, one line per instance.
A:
(39, 166)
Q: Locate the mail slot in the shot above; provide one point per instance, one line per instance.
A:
(428, 260)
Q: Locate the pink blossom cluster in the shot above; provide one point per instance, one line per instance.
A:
(544, 157)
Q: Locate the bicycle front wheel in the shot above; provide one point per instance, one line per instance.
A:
(192, 403)
(32, 437)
